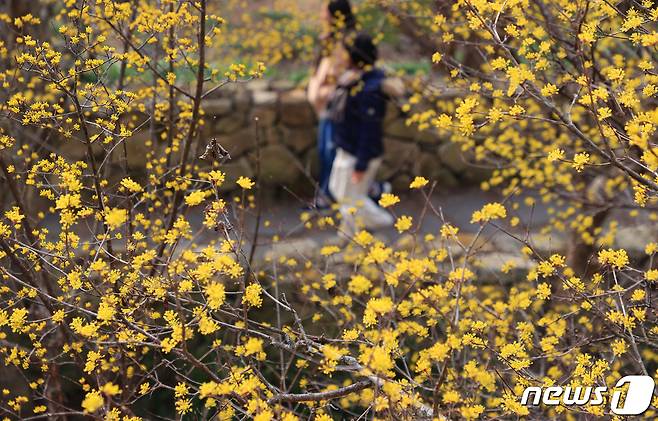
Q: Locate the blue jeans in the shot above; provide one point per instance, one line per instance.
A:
(326, 153)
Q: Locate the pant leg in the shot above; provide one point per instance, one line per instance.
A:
(341, 175)
(326, 154)
(355, 195)
(373, 216)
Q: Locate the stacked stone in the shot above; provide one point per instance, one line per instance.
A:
(273, 120)
(287, 132)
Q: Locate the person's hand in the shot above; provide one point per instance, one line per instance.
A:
(357, 176)
(348, 77)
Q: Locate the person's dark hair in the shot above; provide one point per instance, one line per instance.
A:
(362, 49)
(342, 9)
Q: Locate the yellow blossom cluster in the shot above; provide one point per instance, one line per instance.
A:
(130, 294)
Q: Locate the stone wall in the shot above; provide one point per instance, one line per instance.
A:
(287, 135)
(286, 140)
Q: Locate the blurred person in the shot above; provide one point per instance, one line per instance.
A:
(339, 20)
(357, 112)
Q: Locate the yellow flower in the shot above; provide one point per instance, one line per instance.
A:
(253, 346)
(516, 110)
(418, 183)
(92, 402)
(604, 112)
(67, 201)
(144, 388)
(89, 330)
(183, 406)
(5, 231)
(471, 412)
(549, 90)
(329, 281)
(363, 238)
(638, 295)
(14, 215)
(448, 230)
(111, 389)
(350, 335)
(332, 354)
(75, 279)
(195, 198)
(619, 347)
(106, 309)
(403, 223)
(130, 185)
(329, 250)
(208, 389)
(245, 183)
(216, 294)
(267, 415)
(461, 274)
(181, 390)
(92, 361)
(377, 360)
(451, 396)
(556, 155)
(488, 212)
(115, 217)
(499, 63)
(217, 177)
(543, 291)
(207, 324)
(252, 295)
(388, 200)
(615, 258)
(376, 306)
(359, 284)
(58, 316)
(580, 160)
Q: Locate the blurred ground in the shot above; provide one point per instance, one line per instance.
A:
(457, 206)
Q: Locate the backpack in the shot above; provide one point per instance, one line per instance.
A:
(338, 102)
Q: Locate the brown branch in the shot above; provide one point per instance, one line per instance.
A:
(321, 396)
(192, 131)
(17, 197)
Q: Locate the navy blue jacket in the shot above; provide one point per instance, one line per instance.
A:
(360, 131)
